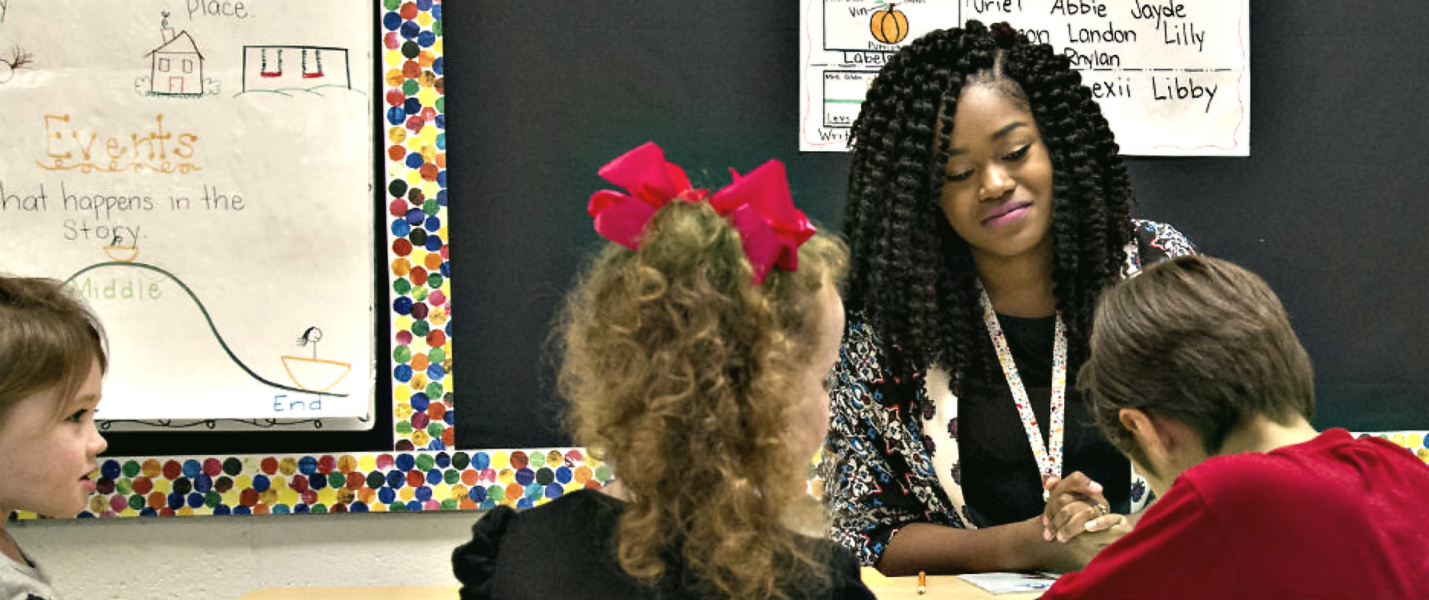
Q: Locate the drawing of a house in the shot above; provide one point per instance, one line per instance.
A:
(176, 68)
(294, 67)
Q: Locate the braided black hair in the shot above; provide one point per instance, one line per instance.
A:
(912, 276)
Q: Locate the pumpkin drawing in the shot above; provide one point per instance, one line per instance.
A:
(889, 26)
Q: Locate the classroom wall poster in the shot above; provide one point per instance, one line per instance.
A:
(1172, 77)
(201, 172)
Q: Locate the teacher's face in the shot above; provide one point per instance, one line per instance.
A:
(997, 193)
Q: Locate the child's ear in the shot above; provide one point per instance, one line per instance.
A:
(1155, 444)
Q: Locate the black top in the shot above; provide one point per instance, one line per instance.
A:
(1000, 475)
(566, 549)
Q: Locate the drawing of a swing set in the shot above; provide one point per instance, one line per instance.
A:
(294, 68)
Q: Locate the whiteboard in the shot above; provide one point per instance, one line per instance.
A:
(201, 173)
(1172, 76)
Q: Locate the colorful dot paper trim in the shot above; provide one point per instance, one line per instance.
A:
(1413, 441)
(387, 482)
(414, 85)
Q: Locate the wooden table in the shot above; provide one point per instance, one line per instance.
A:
(940, 587)
(353, 593)
(944, 587)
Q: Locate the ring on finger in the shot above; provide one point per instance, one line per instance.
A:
(1104, 509)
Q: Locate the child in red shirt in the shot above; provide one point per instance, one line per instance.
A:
(1197, 376)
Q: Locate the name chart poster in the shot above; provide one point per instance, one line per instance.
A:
(201, 173)
(1172, 77)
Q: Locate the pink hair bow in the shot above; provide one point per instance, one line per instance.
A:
(761, 209)
(758, 205)
(651, 182)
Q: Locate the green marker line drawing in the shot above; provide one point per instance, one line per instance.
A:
(206, 318)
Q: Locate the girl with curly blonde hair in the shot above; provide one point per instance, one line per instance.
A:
(697, 350)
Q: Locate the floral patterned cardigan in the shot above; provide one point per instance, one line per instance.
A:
(878, 475)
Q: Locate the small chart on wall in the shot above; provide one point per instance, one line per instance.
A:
(1172, 77)
(201, 173)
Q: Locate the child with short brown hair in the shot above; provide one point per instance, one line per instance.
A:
(52, 359)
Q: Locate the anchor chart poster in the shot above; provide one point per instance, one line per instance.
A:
(201, 172)
(1172, 76)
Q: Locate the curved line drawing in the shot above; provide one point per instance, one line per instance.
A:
(122, 253)
(206, 318)
(310, 364)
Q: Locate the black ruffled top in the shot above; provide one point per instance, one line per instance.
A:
(566, 549)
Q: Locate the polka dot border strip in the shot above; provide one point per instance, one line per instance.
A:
(386, 482)
(1417, 442)
(414, 121)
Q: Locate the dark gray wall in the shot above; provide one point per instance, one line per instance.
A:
(1330, 207)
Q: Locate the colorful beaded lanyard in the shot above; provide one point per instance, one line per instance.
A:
(1049, 461)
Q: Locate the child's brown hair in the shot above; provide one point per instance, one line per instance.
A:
(48, 338)
(1200, 341)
